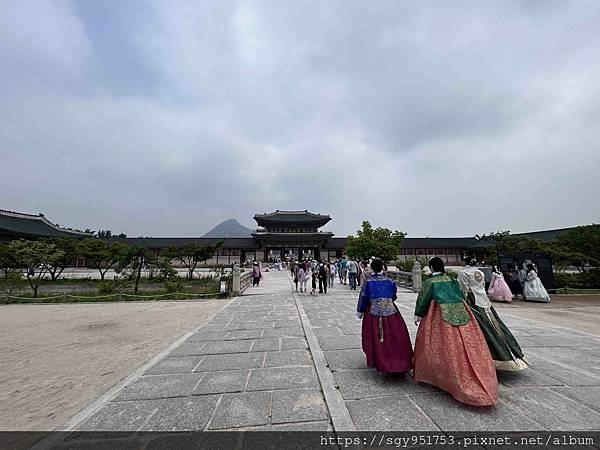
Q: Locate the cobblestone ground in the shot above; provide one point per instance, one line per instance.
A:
(277, 360)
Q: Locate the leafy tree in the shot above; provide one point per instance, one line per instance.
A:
(137, 259)
(101, 255)
(104, 234)
(35, 258)
(71, 250)
(504, 243)
(581, 246)
(380, 242)
(190, 255)
(7, 259)
(10, 281)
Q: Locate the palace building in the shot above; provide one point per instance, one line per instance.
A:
(278, 235)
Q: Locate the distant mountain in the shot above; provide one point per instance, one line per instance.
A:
(230, 228)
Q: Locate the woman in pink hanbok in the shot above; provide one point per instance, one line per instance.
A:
(499, 290)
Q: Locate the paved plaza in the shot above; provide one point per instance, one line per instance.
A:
(276, 360)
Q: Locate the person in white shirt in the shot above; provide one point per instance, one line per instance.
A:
(332, 273)
(352, 268)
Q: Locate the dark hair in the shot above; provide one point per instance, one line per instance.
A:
(377, 265)
(436, 265)
(531, 267)
(496, 269)
(470, 260)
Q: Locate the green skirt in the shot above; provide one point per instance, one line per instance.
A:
(505, 349)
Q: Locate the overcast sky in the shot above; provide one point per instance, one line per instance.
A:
(163, 118)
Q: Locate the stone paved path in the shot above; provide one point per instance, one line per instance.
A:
(276, 360)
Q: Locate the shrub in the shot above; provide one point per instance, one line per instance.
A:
(585, 280)
(106, 288)
(174, 285)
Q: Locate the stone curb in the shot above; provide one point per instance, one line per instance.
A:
(340, 416)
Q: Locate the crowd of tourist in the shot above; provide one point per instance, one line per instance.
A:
(461, 340)
(322, 273)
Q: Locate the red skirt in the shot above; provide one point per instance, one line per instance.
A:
(395, 353)
(455, 359)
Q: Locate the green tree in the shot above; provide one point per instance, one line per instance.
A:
(9, 281)
(137, 259)
(379, 242)
(35, 258)
(507, 244)
(71, 250)
(7, 259)
(190, 255)
(104, 234)
(581, 246)
(101, 255)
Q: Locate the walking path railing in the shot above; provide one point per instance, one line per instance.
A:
(240, 281)
(409, 280)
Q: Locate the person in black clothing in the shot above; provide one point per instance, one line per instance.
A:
(323, 276)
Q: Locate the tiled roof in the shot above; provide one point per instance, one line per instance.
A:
(18, 224)
(164, 242)
(291, 216)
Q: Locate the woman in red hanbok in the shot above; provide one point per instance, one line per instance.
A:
(450, 349)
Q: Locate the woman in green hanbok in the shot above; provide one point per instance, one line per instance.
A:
(505, 349)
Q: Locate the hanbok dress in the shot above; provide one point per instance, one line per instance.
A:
(534, 290)
(505, 349)
(385, 338)
(499, 290)
(450, 349)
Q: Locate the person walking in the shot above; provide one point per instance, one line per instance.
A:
(332, 273)
(521, 275)
(303, 276)
(352, 268)
(256, 274)
(313, 277)
(499, 290)
(343, 269)
(323, 277)
(504, 348)
(385, 338)
(514, 284)
(450, 349)
(534, 290)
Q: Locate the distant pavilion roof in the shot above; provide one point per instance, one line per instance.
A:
(16, 224)
(291, 217)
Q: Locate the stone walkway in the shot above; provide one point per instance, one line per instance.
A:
(273, 360)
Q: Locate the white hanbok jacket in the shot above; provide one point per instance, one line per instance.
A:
(534, 290)
(471, 279)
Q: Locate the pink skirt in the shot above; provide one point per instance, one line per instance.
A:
(455, 359)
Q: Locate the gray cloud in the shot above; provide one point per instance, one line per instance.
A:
(163, 118)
